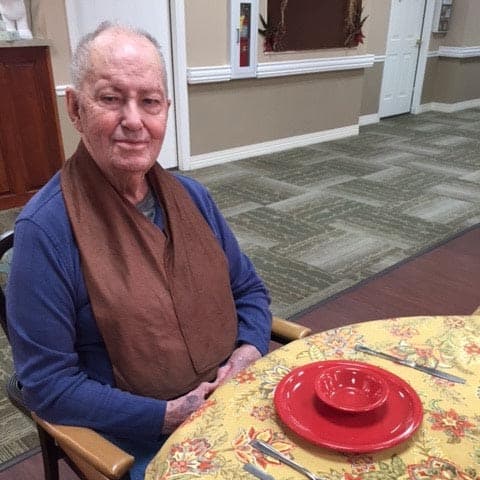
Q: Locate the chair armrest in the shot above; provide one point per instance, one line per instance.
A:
(287, 330)
(90, 448)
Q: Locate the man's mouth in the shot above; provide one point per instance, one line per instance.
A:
(131, 144)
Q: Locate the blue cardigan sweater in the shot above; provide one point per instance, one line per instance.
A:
(58, 352)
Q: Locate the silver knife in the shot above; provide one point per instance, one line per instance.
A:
(267, 449)
(257, 472)
(410, 363)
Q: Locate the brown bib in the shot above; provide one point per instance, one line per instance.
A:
(162, 302)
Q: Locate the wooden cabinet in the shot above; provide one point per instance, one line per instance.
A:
(31, 148)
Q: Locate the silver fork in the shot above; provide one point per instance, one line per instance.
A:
(267, 449)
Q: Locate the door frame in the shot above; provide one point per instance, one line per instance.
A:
(179, 68)
(180, 83)
(422, 55)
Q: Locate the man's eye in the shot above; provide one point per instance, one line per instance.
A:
(151, 101)
(110, 99)
(152, 105)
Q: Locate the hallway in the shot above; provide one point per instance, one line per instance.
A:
(317, 220)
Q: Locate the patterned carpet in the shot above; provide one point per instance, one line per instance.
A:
(19, 436)
(318, 220)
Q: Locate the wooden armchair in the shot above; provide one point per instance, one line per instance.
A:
(89, 454)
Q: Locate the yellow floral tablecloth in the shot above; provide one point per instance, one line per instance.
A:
(214, 441)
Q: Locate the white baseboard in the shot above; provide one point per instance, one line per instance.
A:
(425, 107)
(448, 107)
(368, 119)
(247, 151)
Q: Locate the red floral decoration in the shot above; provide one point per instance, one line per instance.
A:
(354, 24)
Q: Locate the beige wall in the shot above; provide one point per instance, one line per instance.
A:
(207, 25)
(454, 80)
(254, 101)
(236, 113)
(436, 40)
(244, 112)
(471, 36)
(451, 80)
(376, 26)
(456, 27)
(464, 27)
(207, 35)
(69, 134)
(372, 84)
(428, 91)
(50, 22)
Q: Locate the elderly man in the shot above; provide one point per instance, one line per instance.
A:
(129, 300)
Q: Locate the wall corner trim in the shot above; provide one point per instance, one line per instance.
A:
(272, 146)
(459, 52)
(222, 73)
(368, 119)
(61, 89)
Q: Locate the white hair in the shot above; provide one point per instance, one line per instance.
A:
(81, 57)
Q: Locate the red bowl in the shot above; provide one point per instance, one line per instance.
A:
(351, 388)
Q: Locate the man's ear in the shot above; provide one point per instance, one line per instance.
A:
(73, 107)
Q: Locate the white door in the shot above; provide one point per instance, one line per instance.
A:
(403, 44)
(150, 15)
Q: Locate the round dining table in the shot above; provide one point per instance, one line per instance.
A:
(443, 417)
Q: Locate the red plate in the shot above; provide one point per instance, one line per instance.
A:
(388, 425)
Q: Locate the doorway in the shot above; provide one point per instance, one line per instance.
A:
(402, 55)
(150, 15)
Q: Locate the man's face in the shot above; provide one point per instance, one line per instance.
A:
(121, 108)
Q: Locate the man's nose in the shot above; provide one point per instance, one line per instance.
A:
(132, 117)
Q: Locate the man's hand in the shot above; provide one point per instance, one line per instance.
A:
(180, 408)
(241, 358)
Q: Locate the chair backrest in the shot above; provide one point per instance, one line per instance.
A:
(6, 244)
